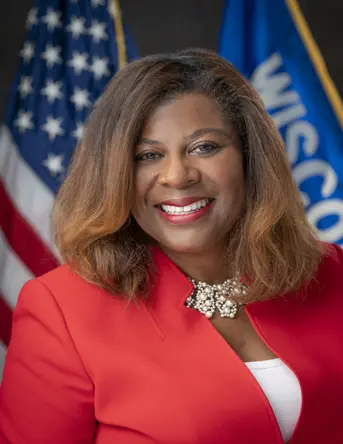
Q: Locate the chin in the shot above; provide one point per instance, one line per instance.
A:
(187, 247)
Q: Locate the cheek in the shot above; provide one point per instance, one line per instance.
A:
(230, 181)
(143, 185)
(236, 182)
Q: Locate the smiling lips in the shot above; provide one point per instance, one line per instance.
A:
(183, 211)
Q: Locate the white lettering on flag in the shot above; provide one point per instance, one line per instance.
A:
(284, 104)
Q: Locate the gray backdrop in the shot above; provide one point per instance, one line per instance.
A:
(161, 25)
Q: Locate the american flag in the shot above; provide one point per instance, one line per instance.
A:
(72, 49)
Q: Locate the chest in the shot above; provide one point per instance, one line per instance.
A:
(242, 338)
(176, 379)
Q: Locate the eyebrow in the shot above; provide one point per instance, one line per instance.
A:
(197, 133)
(202, 131)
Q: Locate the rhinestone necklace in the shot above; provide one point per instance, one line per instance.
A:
(208, 298)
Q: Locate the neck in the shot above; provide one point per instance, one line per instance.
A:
(210, 266)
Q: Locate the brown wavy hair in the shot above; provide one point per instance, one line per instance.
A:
(272, 244)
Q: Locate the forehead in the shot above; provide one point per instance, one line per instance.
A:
(184, 114)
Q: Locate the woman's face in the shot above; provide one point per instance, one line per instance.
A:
(188, 176)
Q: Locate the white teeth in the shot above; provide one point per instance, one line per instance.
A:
(171, 209)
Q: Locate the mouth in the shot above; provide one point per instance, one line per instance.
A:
(182, 214)
(186, 209)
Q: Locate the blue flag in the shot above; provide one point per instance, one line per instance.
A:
(270, 43)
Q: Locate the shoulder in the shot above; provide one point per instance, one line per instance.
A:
(328, 280)
(64, 286)
(70, 288)
(332, 261)
(80, 303)
(64, 277)
(66, 304)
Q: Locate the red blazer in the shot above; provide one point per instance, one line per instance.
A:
(84, 367)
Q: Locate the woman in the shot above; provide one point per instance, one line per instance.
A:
(195, 304)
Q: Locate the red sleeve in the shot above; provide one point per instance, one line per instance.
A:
(46, 394)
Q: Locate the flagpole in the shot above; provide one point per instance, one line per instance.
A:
(317, 58)
(119, 32)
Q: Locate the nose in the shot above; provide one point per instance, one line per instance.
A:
(177, 172)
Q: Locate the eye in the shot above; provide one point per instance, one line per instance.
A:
(147, 156)
(205, 148)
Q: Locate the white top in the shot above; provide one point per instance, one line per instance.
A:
(282, 390)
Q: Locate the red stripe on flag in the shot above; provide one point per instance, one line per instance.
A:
(5, 321)
(23, 240)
